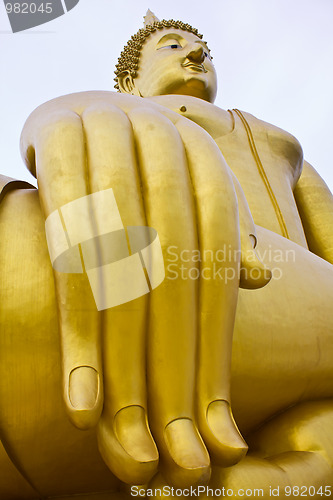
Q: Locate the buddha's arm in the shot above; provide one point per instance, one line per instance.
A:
(315, 204)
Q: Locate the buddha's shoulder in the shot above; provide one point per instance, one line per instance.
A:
(279, 139)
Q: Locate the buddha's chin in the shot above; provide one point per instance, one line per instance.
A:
(196, 87)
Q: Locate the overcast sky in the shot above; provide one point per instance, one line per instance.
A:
(273, 59)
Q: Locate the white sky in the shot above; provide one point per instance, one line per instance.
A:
(273, 59)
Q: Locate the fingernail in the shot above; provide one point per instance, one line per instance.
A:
(253, 240)
(225, 430)
(83, 387)
(187, 451)
(131, 429)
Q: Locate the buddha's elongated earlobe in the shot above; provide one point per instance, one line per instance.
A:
(126, 84)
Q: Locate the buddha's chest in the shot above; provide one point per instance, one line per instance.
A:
(266, 160)
(233, 129)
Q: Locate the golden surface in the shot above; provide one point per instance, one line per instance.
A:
(148, 385)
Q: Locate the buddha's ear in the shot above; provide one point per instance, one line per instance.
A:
(126, 83)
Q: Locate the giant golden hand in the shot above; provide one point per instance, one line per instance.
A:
(167, 173)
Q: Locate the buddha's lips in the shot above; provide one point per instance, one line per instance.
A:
(196, 67)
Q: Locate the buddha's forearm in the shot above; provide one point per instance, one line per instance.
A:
(315, 204)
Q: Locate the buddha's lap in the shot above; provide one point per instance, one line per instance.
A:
(282, 348)
(282, 343)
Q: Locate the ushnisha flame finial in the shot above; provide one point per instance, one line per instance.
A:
(150, 18)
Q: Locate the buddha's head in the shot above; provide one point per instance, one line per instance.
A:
(166, 57)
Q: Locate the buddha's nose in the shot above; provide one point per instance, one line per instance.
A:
(196, 54)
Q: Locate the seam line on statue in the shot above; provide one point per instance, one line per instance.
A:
(263, 174)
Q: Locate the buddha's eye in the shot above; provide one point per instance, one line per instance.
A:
(171, 45)
(207, 54)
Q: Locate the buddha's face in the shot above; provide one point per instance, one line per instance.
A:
(174, 61)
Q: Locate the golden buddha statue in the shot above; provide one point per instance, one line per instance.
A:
(148, 383)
